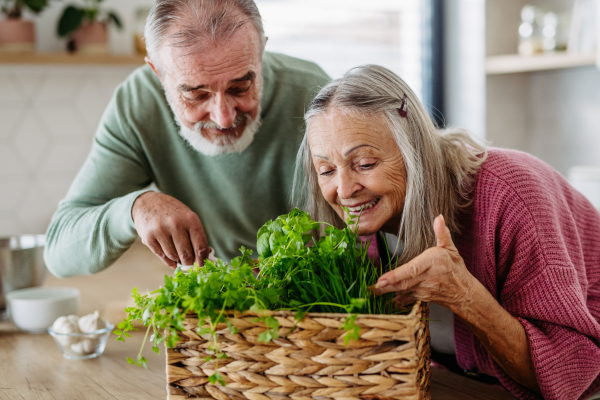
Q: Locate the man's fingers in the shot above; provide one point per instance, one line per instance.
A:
(442, 233)
(199, 244)
(183, 246)
(168, 248)
(153, 245)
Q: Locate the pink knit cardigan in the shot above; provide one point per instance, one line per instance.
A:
(534, 242)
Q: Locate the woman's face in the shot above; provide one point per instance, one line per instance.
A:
(359, 166)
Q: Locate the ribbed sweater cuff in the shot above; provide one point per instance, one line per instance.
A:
(119, 218)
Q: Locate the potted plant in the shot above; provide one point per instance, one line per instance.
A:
(87, 27)
(16, 34)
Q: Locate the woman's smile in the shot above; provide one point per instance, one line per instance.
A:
(360, 168)
(363, 208)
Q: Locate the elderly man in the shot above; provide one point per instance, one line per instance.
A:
(213, 120)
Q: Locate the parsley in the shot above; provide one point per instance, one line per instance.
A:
(298, 271)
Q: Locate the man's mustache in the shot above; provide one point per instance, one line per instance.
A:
(240, 119)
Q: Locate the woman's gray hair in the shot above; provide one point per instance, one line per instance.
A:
(439, 164)
(202, 22)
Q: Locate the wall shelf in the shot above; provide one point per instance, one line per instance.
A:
(514, 63)
(69, 59)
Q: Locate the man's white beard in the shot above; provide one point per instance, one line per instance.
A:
(225, 143)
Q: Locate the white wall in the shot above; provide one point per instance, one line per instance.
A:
(465, 65)
(121, 42)
(554, 115)
(48, 116)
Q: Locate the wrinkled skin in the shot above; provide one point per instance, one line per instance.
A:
(214, 85)
(357, 161)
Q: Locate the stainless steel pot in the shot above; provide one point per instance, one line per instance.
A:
(21, 264)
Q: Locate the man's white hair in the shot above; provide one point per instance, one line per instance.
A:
(200, 22)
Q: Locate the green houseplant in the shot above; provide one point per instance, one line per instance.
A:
(15, 33)
(86, 26)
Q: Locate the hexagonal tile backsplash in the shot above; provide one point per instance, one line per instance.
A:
(48, 116)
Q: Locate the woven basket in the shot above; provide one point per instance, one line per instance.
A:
(390, 361)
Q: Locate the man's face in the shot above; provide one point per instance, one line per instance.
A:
(215, 93)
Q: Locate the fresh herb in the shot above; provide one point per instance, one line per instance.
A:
(298, 271)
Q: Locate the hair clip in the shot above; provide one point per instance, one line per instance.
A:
(403, 110)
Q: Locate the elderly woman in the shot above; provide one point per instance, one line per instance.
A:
(494, 236)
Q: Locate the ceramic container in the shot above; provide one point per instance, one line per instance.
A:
(91, 38)
(17, 35)
(35, 309)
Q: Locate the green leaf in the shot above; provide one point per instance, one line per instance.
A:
(273, 240)
(112, 17)
(265, 337)
(262, 245)
(141, 362)
(69, 22)
(216, 377)
(36, 5)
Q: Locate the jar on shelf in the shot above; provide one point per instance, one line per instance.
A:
(555, 31)
(530, 30)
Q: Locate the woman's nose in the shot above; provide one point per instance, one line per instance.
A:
(347, 185)
(222, 111)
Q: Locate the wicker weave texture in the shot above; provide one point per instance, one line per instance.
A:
(308, 361)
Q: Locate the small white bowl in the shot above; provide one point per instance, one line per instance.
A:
(35, 309)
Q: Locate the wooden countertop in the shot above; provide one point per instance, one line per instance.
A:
(32, 366)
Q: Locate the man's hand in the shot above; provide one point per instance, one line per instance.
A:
(438, 274)
(170, 229)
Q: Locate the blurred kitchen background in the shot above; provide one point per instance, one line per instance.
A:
(520, 74)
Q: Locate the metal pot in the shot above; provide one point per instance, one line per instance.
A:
(21, 265)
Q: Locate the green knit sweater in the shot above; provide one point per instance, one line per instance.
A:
(138, 143)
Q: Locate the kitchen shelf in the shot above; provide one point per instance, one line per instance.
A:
(514, 63)
(69, 59)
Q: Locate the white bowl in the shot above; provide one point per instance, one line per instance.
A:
(35, 309)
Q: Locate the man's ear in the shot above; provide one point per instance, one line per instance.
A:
(151, 64)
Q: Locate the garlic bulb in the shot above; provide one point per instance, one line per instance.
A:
(91, 323)
(85, 347)
(67, 324)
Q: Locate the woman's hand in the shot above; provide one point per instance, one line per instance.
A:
(438, 274)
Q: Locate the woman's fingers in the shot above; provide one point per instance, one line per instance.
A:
(404, 299)
(406, 275)
(442, 233)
